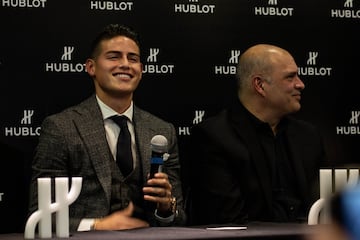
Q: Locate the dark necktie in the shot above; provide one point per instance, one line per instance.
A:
(123, 151)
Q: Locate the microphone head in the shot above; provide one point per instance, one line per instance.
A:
(159, 144)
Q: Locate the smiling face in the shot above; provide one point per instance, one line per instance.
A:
(283, 91)
(116, 69)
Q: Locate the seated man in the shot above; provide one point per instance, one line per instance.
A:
(253, 162)
(82, 141)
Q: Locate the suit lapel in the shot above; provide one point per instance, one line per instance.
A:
(94, 138)
(245, 129)
(143, 135)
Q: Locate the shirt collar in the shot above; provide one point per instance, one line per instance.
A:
(264, 126)
(108, 111)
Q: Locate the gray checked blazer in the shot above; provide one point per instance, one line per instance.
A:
(73, 143)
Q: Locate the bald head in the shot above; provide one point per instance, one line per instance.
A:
(259, 60)
(268, 81)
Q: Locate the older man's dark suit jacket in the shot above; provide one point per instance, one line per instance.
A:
(73, 143)
(230, 180)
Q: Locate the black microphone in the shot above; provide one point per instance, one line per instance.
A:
(159, 147)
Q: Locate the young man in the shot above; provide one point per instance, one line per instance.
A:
(81, 142)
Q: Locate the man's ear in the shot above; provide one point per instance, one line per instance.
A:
(90, 67)
(258, 84)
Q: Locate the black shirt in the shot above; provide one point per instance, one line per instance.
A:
(287, 205)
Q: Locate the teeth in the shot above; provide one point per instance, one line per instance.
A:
(121, 75)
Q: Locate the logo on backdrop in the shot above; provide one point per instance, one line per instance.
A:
(353, 127)
(312, 68)
(229, 69)
(199, 115)
(347, 11)
(111, 5)
(194, 7)
(66, 65)
(24, 4)
(272, 9)
(25, 129)
(152, 65)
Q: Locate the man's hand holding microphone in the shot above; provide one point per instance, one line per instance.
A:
(158, 189)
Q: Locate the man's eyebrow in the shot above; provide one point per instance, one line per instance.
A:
(291, 74)
(120, 52)
(134, 54)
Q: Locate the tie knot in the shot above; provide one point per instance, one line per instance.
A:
(121, 121)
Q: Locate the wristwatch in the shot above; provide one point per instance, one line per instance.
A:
(171, 212)
(173, 205)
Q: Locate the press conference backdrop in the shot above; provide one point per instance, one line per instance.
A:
(189, 48)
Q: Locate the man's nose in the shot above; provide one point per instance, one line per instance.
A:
(299, 83)
(123, 62)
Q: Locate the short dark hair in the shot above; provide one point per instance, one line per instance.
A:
(111, 31)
